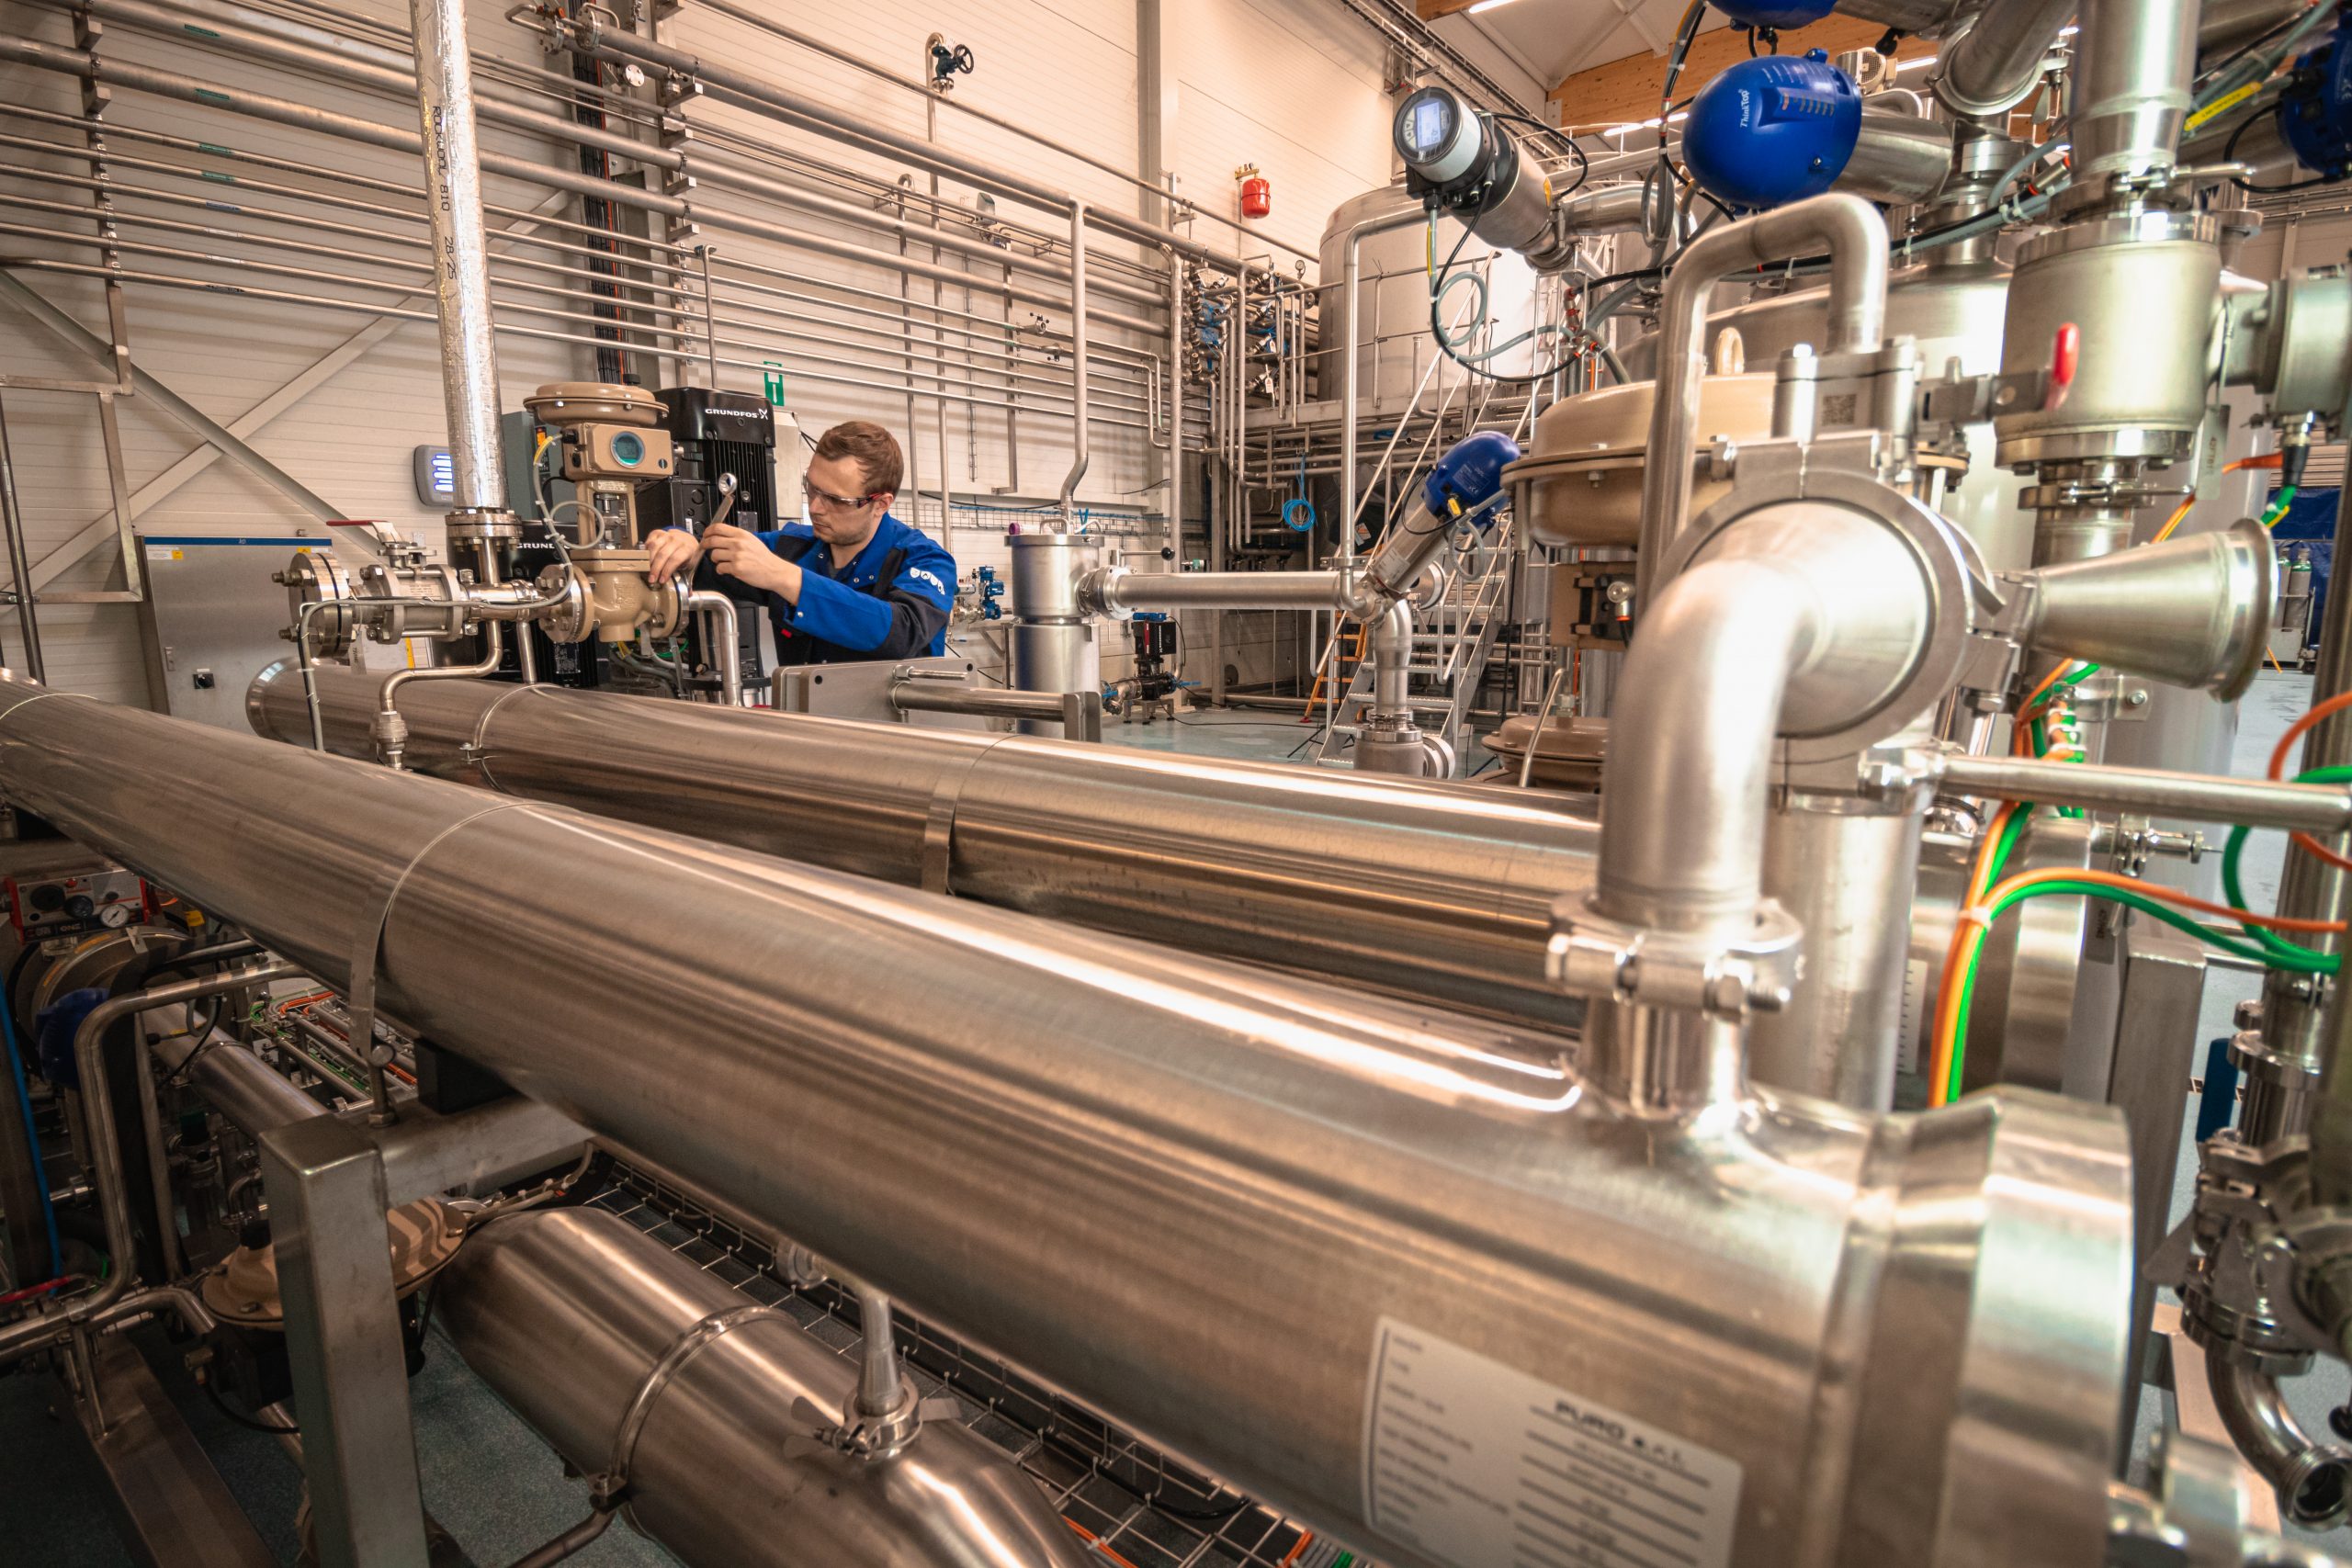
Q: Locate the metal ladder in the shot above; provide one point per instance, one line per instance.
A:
(1452, 642)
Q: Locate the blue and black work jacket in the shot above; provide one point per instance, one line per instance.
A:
(889, 601)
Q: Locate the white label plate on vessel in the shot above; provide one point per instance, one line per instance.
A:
(1482, 1466)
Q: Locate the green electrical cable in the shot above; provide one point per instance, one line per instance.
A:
(2280, 953)
(2278, 504)
(2177, 919)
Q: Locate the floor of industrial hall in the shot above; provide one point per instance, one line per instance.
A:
(500, 1492)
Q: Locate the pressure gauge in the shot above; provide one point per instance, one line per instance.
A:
(114, 917)
(81, 907)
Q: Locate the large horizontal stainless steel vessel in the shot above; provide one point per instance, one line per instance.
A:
(570, 1313)
(1389, 1270)
(1427, 890)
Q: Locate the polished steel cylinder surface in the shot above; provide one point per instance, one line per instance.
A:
(1998, 59)
(1422, 890)
(1849, 876)
(1124, 592)
(1045, 574)
(2195, 797)
(2137, 393)
(2134, 61)
(566, 1313)
(1273, 1228)
(445, 92)
(1900, 157)
(1800, 618)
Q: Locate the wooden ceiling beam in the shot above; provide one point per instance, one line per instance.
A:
(1624, 92)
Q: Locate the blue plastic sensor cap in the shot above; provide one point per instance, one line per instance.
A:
(1773, 130)
(1764, 14)
(1471, 473)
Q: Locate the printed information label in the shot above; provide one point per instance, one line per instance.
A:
(1482, 1466)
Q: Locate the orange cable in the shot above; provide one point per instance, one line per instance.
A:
(1293, 1556)
(1945, 1039)
(1096, 1542)
(2266, 460)
(2295, 731)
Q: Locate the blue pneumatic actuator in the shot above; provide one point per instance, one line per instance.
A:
(1470, 474)
(1772, 129)
(2316, 110)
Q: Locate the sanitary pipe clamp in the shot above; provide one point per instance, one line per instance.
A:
(1722, 975)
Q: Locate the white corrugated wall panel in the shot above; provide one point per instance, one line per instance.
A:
(1292, 85)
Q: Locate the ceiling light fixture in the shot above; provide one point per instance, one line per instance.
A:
(1483, 6)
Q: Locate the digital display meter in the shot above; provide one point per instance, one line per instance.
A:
(436, 477)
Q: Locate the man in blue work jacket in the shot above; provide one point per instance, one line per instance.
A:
(853, 583)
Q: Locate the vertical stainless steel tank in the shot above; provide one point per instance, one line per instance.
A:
(1393, 273)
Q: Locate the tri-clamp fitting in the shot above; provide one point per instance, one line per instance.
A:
(1723, 976)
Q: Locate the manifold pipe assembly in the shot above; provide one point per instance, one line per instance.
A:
(1863, 1338)
(114, 1299)
(1853, 233)
(577, 1319)
(285, 111)
(1425, 890)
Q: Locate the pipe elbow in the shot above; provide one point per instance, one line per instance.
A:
(2312, 1479)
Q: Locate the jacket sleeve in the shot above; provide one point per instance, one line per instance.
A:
(900, 623)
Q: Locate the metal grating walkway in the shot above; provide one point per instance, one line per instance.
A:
(1136, 1506)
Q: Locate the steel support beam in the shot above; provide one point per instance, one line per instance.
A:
(327, 1202)
(14, 290)
(169, 1503)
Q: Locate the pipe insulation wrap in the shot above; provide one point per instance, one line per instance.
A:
(1237, 1212)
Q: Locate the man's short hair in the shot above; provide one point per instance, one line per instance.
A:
(876, 450)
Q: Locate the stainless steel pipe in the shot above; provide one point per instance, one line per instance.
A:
(1838, 1338)
(1421, 890)
(2322, 809)
(2312, 1478)
(2133, 62)
(1120, 591)
(236, 1083)
(1069, 709)
(1853, 233)
(445, 101)
(1998, 60)
(723, 639)
(570, 1314)
(1788, 622)
(114, 1296)
(20, 571)
(284, 111)
(1082, 441)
